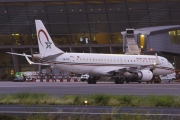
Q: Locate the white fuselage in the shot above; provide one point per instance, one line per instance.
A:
(100, 64)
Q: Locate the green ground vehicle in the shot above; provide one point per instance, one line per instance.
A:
(19, 77)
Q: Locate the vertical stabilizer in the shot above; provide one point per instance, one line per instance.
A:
(45, 43)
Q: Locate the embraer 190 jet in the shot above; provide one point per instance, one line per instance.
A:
(117, 66)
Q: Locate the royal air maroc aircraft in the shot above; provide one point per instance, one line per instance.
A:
(117, 66)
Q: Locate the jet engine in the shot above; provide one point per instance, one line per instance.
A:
(144, 75)
(37, 56)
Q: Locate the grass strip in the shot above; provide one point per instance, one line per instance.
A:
(81, 117)
(93, 100)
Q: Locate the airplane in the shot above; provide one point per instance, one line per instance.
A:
(117, 66)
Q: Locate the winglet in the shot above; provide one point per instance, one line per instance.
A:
(30, 62)
(157, 60)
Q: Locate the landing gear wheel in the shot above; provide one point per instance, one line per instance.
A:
(94, 81)
(121, 80)
(127, 80)
(159, 81)
(151, 82)
(89, 81)
(139, 81)
(116, 80)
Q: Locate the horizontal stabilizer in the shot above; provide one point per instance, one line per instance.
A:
(18, 54)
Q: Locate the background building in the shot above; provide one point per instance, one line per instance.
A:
(78, 25)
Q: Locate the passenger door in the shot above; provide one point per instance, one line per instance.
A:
(72, 60)
(162, 62)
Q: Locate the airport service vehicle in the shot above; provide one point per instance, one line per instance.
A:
(168, 78)
(22, 76)
(116, 66)
(84, 77)
(30, 75)
(19, 77)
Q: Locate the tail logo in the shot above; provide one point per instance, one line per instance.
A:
(48, 44)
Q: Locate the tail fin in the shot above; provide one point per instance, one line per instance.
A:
(45, 43)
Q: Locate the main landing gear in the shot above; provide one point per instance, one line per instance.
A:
(119, 80)
(93, 80)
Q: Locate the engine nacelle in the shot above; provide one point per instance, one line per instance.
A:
(37, 56)
(144, 75)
